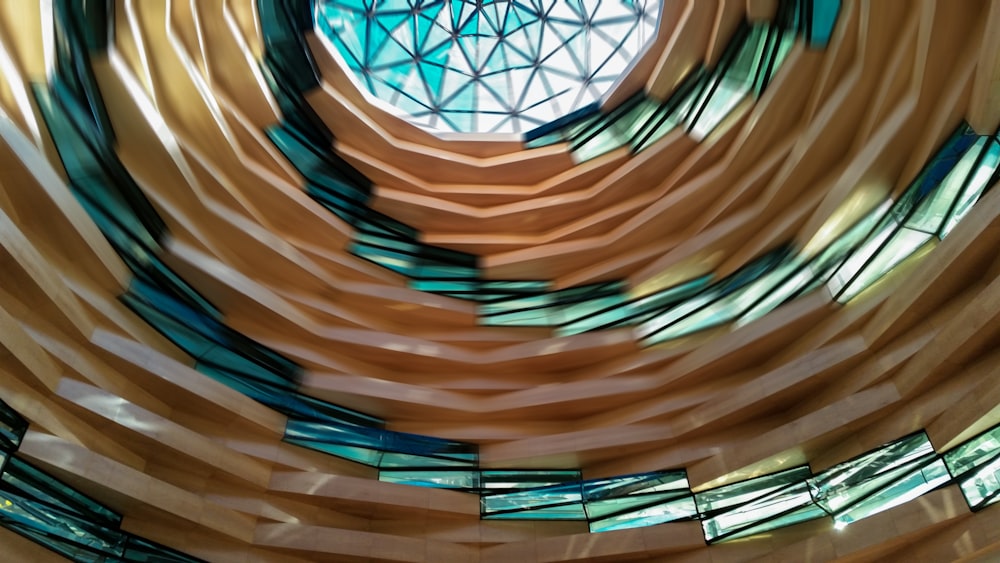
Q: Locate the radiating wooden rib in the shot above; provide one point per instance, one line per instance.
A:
(93, 472)
(685, 50)
(952, 282)
(984, 105)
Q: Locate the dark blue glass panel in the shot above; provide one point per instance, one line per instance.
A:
(570, 118)
(380, 448)
(207, 339)
(822, 20)
(12, 428)
(139, 550)
(23, 478)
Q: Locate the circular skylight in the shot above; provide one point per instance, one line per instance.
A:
(487, 66)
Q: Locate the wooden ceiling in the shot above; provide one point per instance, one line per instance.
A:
(118, 411)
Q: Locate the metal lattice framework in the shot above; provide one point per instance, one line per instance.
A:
(487, 66)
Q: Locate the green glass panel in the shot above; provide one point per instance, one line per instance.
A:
(903, 244)
(564, 512)
(639, 484)
(747, 491)
(730, 84)
(682, 508)
(64, 546)
(533, 310)
(774, 506)
(509, 480)
(652, 330)
(908, 487)
(973, 453)
(975, 187)
(139, 550)
(660, 327)
(648, 504)
(12, 428)
(982, 486)
(365, 456)
(614, 131)
(536, 500)
(468, 480)
(29, 481)
(803, 514)
(21, 511)
(845, 484)
(727, 308)
(396, 459)
(976, 467)
(930, 213)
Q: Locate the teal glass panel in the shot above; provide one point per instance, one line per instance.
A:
(398, 261)
(976, 467)
(743, 492)
(983, 175)
(788, 518)
(730, 82)
(648, 504)
(973, 453)
(379, 448)
(846, 484)
(671, 113)
(22, 478)
(614, 130)
(593, 314)
(290, 403)
(12, 428)
(551, 308)
(71, 550)
(640, 484)
(318, 164)
(728, 308)
(205, 339)
(558, 131)
(622, 514)
(433, 458)
(661, 327)
(930, 213)
(900, 246)
(466, 480)
(96, 176)
(544, 502)
(742, 73)
(817, 269)
(572, 511)
(79, 29)
(335, 440)
(39, 521)
(922, 479)
(139, 550)
(748, 507)
(821, 22)
(533, 310)
(282, 27)
(497, 480)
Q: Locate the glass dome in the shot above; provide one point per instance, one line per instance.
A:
(487, 66)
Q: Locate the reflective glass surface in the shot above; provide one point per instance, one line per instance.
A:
(51, 513)
(487, 66)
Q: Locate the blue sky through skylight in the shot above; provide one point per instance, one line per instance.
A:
(489, 66)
